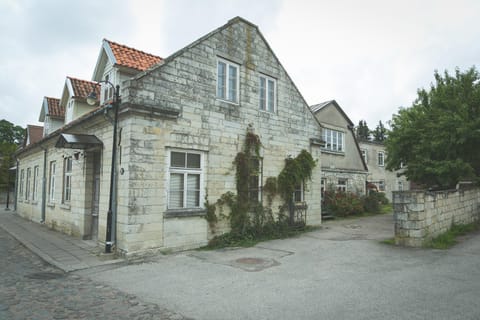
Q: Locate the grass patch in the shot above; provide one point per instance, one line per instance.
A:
(386, 208)
(250, 239)
(389, 241)
(448, 239)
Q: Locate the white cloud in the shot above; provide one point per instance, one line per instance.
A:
(371, 55)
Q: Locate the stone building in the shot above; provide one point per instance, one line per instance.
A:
(386, 181)
(181, 122)
(343, 167)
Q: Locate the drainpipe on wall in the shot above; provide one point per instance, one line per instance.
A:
(44, 184)
(17, 173)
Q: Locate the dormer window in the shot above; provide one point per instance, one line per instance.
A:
(334, 140)
(107, 90)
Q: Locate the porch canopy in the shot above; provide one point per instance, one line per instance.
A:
(77, 141)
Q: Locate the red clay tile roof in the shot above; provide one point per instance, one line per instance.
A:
(82, 88)
(132, 58)
(54, 108)
(35, 133)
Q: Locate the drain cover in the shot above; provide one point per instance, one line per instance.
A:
(250, 261)
(44, 275)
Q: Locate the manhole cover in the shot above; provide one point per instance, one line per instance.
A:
(250, 261)
(44, 275)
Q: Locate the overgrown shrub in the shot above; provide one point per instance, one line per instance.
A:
(371, 203)
(342, 204)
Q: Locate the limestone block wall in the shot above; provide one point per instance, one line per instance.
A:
(421, 215)
(186, 85)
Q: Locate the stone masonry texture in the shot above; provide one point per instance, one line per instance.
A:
(421, 215)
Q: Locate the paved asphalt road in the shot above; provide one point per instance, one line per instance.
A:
(339, 272)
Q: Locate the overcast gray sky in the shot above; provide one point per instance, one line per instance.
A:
(371, 56)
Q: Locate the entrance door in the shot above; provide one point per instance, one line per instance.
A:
(95, 196)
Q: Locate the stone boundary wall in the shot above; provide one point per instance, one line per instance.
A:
(423, 215)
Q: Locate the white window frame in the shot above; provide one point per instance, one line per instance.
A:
(224, 92)
(260, 179)
(36, 170)
(106, 89)
(67, 180)
(22, 182)
(186, 171)
(334, 140)
(342, 184)
(27, 184)
(381, 158)
(299, 190)
(51, 182)
(400, 185)
(268, 103)
(364, 155)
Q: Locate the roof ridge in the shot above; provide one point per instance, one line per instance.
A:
(132, 48)
(52, 98)
(78, 79)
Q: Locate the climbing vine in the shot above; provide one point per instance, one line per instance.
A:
(248, 217)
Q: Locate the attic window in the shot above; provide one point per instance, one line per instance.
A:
(107, 90)
(268, 93)
(227, 80)
(334, 140)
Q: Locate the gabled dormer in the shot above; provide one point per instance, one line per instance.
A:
(52, 115)
(74, 97)
(341, 146)
(117, 63)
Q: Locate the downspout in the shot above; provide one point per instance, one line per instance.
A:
(44, 184)
(16, 185)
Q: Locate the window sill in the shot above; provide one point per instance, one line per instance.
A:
(34, 202)
(337, 153)
(51, 205)
(235, 103)
(65, 206)
(184, 212)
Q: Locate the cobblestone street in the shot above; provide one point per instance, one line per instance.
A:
(32, 289)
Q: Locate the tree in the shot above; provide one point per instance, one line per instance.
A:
(438, 136)
(380, 132)
(363, 132)
(10, 133)
(11, 137)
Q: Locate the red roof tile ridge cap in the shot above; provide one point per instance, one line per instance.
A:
(78, 79)
(125, 46)
(52, 98)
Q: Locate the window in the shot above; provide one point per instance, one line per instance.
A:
(380, 184)
(67, 180)
(323, 183)
(227, 81)
(255, 181)
(51, 182)
(342, 185)
(364, 155)
(22, 181)
(400, 185)
(267, 93)
(334, 140)
(35, 183)
(185, 180)
(27, 184)
(298, 195)
(381, 158)
(107, 89)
